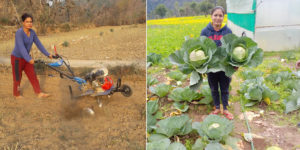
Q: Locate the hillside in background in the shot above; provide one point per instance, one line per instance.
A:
(66, 14)
(157, 9)
(170, 4)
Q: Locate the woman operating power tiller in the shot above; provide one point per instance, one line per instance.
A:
(22, 61)
(215, 31)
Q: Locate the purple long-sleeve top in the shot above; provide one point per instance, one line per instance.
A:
(23, 44)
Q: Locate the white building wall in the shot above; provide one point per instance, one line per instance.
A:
(278, 24)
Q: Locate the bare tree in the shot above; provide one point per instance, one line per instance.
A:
(61, 12)
(15, 11)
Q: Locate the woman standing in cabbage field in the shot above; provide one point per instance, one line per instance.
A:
(215, 31)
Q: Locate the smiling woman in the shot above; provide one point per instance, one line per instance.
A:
(215, 31)
(22, 61)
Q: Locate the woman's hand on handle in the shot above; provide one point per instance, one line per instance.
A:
(50, 56)
(31, 61)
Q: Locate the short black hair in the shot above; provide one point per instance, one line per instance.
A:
(218, 7)
(25, 16)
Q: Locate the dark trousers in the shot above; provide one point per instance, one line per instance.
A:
(18, 66)
(215, 80)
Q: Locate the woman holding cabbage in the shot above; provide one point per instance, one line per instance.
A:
(215, 31)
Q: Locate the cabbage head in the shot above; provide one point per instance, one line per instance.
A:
(240, 53)
(197, 55)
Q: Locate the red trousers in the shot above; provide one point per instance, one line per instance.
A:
(18, 65)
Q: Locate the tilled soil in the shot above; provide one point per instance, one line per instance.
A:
(272, 134)
(58, 122)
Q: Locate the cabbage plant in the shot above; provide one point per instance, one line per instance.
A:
(292, 102)
(240, 51)
(176, 125)
(195, 58)
(184, 94)
(153, 59)
(251, 74)
(255, 91)
(152, 108)
(277, 78)
(176, 75)
(160, 90)
(182, 107)
(214, 132)
(151, 81)
(201, 55)
(214, 128)
(198, 53)
(165, 144)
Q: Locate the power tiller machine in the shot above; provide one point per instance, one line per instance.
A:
(97, 83)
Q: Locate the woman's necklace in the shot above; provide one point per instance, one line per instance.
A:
(217, 28)
(27, 32)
